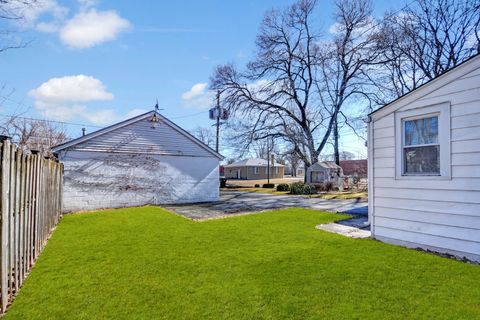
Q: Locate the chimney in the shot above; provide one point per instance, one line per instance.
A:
(84, 131)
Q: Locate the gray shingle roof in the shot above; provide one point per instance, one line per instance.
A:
(252, 162)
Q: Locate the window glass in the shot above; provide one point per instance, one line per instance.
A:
(422, 160)
(421, 131)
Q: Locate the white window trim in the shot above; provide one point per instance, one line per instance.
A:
(256, 170)
(441, 110)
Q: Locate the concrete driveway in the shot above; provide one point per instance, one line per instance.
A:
(239, 202)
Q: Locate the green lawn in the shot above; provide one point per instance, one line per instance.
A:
(146, 263)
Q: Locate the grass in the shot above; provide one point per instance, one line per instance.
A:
(260, 190)
(343, 195)
(146, 263)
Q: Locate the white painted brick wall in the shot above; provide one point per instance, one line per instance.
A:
(95, 180)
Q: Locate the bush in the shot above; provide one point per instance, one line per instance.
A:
(302, 188)
(319, 187)
(283, 187)
(329, 186)
(269, 185)
(257, 186)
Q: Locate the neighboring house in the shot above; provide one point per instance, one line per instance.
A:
(300, 171)
(325, 171)
(424, 165)
(354, 167)
(143, 160)
(254, 169)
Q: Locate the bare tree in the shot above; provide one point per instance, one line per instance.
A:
(31, 134)
(293, 160)
(426, 39)
(274, 96)
(206, 135)
(295, 88)
(347, 64)
(13, 10)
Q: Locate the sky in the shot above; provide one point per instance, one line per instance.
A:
(92, 63)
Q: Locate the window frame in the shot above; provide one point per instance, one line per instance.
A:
(256, 170)
(442, 111)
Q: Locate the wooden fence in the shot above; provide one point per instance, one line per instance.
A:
(31, 193)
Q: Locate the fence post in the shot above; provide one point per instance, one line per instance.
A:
(4, 228)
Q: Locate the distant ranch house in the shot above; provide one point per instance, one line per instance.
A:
(424, 165)
(254, 169)
(143, 160)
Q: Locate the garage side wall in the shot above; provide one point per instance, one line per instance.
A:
(438, 214)
(96, 180)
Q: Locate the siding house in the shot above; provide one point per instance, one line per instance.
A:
(325, 171)
(254, 169)
(143, 160)
(424, 165)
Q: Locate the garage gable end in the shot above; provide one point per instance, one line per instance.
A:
(149, 133)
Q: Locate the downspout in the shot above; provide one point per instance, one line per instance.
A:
(371, 176)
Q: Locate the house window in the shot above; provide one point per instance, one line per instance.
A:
(255, 170)
(423, 142)
(421, 147)
(276, 170)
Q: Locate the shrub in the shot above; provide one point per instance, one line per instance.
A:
(257, 185)
(302, 188)
(269, 185)
(329, 186)
(319, 187)
(283, 187)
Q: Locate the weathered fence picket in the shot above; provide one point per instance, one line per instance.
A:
(30, 204)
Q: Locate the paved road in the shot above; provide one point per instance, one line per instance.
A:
(237, 202)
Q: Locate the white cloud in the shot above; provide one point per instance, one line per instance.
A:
(86, 4)
(87, 28)
(197, 90)
(48, 27)
(31, 13)
(79, 88)
(370, 26)
(92, 27)
(64, 99)
(198, 97)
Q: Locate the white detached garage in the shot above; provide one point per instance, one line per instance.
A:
(424, 165)
(143, 160)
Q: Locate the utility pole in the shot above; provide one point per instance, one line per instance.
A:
(268, 161)
(218, 120)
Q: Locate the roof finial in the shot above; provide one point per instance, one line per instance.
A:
(156, 106)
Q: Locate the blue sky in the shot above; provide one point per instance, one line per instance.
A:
(112, 59)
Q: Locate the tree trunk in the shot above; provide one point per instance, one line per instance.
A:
(335, 141)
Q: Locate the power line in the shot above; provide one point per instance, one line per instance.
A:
(189, 115)
(53, 121)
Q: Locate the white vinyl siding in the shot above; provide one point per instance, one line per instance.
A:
(140, 137)
(436, 212)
